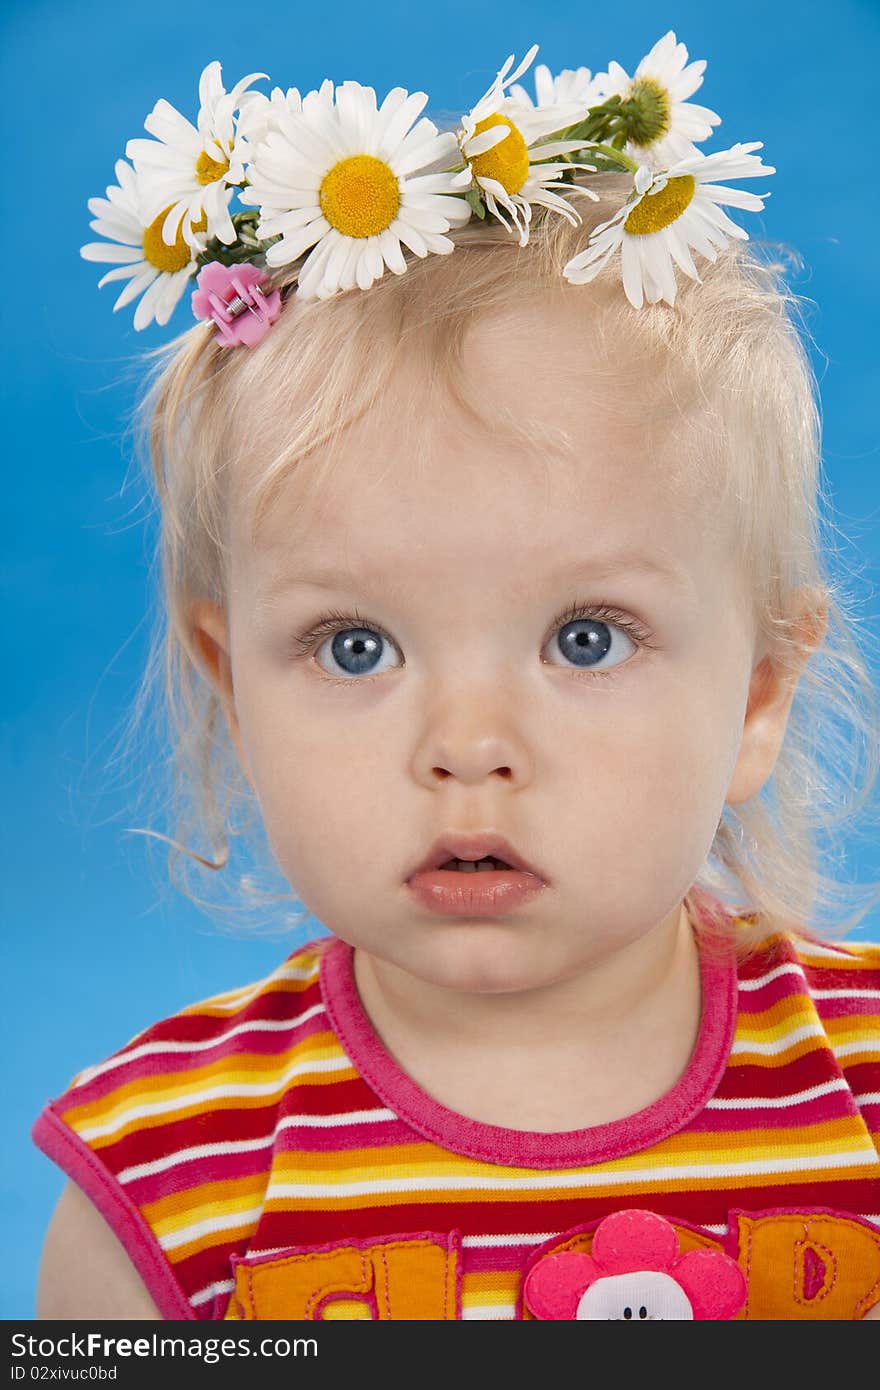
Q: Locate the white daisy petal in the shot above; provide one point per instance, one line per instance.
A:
(129, 248)
(309, 277)
(170, 127)
(391, 252)
(364, 270)
(680, 253)
(103, 251)
(486, 140)
(292, 246)
(122, 272)
(587, 264)
(392, 103)
(186, 168)
(145, 276)
(402, 119)
(688, 80)
(170, 295)
(657, 256)
(290, 221)
(734, 197)
(350, 181)
(410, 237)
(145, 312)
(632, 272)
(373, 256)
(714, 218)
(526, 62)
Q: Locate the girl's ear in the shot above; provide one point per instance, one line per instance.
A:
(209, 648)
(771, 691)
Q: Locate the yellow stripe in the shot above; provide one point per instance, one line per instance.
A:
(770, 1024)
(247, 1068)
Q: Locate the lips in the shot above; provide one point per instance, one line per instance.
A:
(482, 845)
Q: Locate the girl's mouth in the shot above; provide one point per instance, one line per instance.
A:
(486, 887)
(480, 866)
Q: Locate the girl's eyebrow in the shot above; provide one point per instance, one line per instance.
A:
(610, 566)
(329, 577)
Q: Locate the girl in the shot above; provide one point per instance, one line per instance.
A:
(501, 574)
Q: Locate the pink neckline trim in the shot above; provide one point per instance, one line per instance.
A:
(526, 1148)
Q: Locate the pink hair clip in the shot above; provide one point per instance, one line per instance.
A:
(232, 295)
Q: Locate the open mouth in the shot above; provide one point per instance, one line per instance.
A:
(470, 866)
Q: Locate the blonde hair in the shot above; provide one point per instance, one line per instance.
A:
(730, 350)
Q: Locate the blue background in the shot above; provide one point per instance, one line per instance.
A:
(97, 946)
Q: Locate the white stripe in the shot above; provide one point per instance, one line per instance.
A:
(454, 1183)
(152, 1049)
(233, 998)
(488, 1312)
(791, 969)
(845, 993)
(716, 1230)
(245, 1088)
(781, 1044)
(208, 1227)
(845, 1049)
(160, 1165)
(238, 1146)
(810, 948)
(869, 1098)
(489, 1242)
(347, 1117)
(778, 1102)
(211, 1291)
(761, 980)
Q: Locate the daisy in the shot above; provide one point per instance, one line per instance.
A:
(153, 269)
(572, 87)
(192, 171)
(261, 115)
(355, 182)
(667, 124)
(501, 140)
(670, 213)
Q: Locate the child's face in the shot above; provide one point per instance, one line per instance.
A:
(468, 562)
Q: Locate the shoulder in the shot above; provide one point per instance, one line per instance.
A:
(185, 1111)
(843, 978)
(830, 969)
(285, 998)
(106, 1283)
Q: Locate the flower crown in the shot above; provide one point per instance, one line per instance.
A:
(341, 185)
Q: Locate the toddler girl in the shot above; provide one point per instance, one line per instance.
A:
(501, 571)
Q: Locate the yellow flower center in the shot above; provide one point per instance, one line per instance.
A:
(658, 210)
(647, 111)
(508, 161)
(360, 196)
(209, 170)
(160, 254)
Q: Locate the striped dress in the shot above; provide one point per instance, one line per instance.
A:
(260, 1155)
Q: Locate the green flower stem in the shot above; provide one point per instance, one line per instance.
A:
(611, 152)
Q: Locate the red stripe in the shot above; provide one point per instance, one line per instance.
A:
(305, 1228)
(810, 1069)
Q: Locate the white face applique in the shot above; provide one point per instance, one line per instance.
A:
(641, 1296)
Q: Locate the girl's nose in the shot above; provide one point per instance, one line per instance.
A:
(473, 745)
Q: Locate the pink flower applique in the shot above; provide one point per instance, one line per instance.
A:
(233, 296)
(635, 1273)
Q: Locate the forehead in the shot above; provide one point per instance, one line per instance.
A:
(539, 448)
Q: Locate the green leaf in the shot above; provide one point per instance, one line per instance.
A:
(477, 206)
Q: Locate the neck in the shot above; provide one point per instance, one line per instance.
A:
(614, 1038)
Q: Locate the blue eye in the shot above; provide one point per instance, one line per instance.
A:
(357, 651)
(595, 641)
(585, 642)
